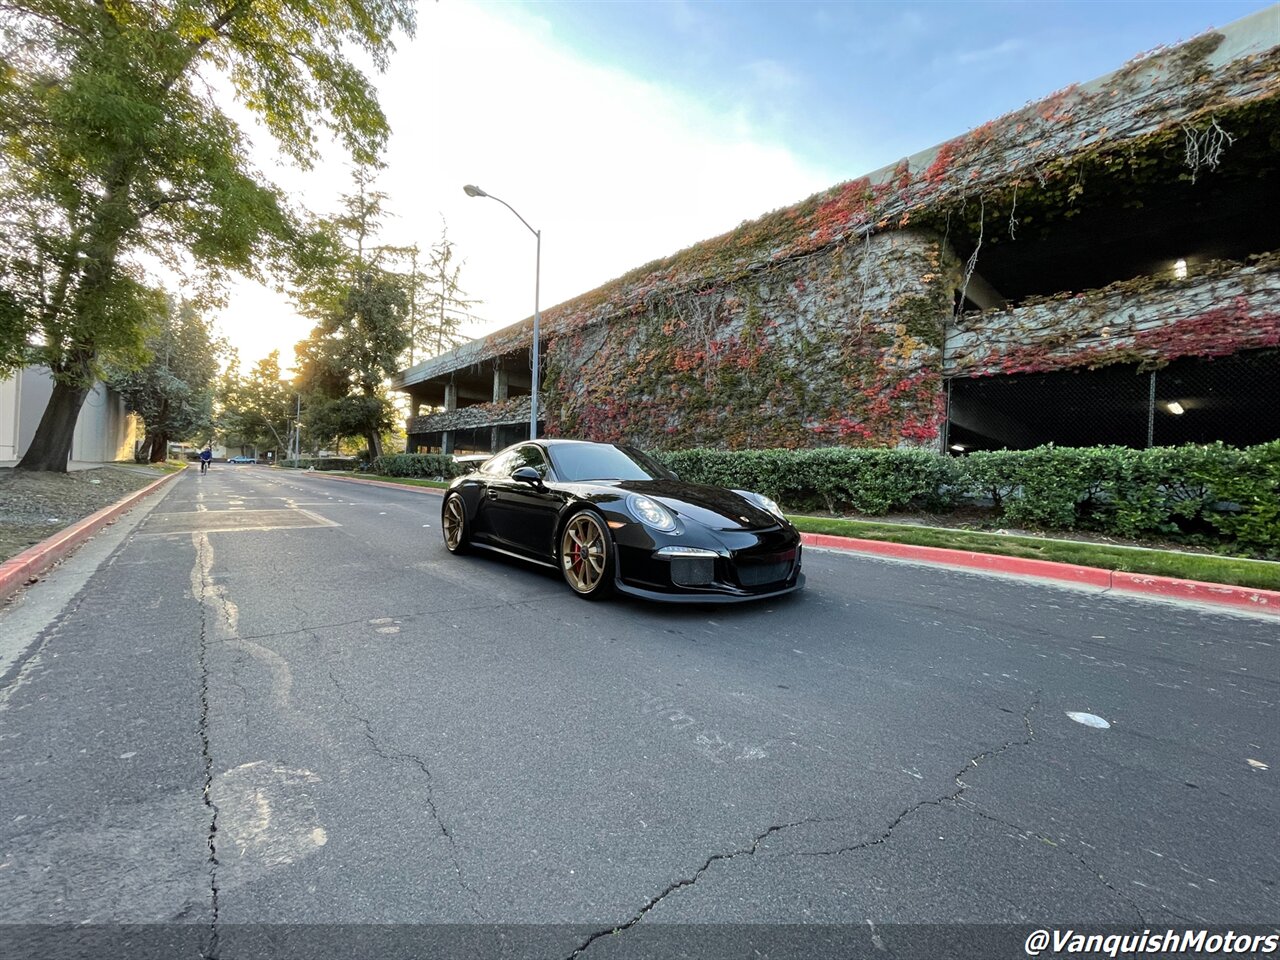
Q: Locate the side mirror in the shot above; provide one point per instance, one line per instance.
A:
(527, 475)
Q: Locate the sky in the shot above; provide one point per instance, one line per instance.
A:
(626, 131)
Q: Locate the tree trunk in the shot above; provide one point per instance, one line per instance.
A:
(142, 454)
(375, 446)
(50, 448)
(159, 447)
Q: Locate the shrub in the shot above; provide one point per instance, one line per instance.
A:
(870, 481)
(1211, 490)
(1252, 488)
(424, 465)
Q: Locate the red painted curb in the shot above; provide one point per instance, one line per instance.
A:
(1262, 601)
(17, 571)
(1092, 576)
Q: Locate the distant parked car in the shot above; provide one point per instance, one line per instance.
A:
(243, 460)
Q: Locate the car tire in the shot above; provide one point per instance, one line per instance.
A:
(587, 555)
(453, 523)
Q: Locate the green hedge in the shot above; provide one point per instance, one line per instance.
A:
(426, 465)
(1214, 493)
(868, 481)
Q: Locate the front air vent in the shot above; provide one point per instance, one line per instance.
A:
(693, 571)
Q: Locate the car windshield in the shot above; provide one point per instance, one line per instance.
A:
(589, 461)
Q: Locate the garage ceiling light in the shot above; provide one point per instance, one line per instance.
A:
(1176, 408)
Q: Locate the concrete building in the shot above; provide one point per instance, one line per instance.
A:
(1102, 266)
(105, 430)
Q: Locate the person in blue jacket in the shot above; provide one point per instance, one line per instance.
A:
(206, 457)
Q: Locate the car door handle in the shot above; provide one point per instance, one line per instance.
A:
(491, 493)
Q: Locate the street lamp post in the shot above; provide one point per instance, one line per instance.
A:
(472, 190)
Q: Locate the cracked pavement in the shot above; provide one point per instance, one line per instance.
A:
(342, 724)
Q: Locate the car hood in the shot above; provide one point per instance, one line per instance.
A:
(713, 507)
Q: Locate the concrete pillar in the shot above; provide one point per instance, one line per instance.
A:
(446, 442)
(494, 437)
(499, 385)
(451, 396)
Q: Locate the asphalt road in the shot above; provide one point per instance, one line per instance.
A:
(270, 698)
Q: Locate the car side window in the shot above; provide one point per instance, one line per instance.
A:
(528, 456)
(499, 466)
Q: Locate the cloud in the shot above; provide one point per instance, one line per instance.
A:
(615, 170)
(986, 54)
(773, 77)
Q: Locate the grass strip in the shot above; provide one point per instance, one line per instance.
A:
(1260, 574)
(405, 481)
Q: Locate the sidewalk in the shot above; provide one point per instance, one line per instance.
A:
(27, 566)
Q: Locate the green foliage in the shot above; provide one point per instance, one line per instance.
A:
(425, 465)
(1212, 493)
(438, 306)
(362, 327)
(256, 410)
(174, 391)
(868, 481)
(1055, 487)
(1253, 485)
(115, 153)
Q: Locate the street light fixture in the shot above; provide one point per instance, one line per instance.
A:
(471, 190)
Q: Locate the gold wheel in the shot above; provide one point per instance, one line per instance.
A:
(454, 522)
(585, 555)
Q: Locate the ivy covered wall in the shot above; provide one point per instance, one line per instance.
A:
(824, 323)
(1226, 307)
(844, 346)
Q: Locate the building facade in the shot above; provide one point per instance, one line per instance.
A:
(105, 430)
(1102, 266)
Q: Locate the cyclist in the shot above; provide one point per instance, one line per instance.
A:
(206, 456)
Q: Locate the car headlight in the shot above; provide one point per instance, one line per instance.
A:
(651, 513)
(760, 500)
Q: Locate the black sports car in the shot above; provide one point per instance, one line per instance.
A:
(610, 517)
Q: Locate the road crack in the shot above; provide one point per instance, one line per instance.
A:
(884, 837)
(200, 585)
(690, 881)
(952, 797)
(401, 757)
(973, 808)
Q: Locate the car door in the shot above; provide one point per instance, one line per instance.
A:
(495, 470)
(521, 516)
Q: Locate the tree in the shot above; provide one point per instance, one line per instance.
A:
(113, 149)
(438, 306)
(258, 410)
(362, 328)
(174, 392)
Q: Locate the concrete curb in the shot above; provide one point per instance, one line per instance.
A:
(30, 563)
(1249, 598)
(1221, 594)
